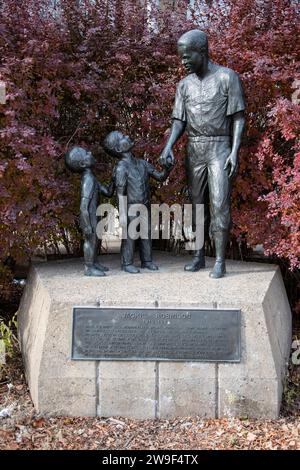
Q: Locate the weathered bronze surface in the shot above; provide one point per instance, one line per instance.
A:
(209, 107)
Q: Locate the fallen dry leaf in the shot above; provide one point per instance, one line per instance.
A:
(251, 437)
(49, 433)
(38, 423)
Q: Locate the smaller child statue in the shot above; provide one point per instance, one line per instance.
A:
(131, 180)
(82, 161)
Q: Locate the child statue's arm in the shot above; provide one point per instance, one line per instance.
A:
(159, 175)
(85, 222)
(86, 196)
(107, 190)
(120, 179)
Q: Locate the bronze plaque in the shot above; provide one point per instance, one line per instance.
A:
(156, 334)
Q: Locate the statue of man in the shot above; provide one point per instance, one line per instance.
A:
(209, 107)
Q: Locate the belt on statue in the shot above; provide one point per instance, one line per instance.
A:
(208, 138)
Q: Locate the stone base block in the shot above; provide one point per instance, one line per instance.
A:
(149, 389)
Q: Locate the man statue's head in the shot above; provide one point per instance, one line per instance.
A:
(193, 50)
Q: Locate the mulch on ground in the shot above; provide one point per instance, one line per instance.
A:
(22, 428)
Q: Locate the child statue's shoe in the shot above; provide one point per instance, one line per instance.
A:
(93, 271)
(149, 265)
(197, 263)
(101, 267)
(130, 268)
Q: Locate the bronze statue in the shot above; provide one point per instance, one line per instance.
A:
(209, 107)
(131, 179)
(80, 160)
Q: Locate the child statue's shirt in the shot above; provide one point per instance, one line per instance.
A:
(91, 190)
(131, 178)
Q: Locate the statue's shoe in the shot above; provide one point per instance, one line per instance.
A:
(149, 265)
(101, 267)
(130, 268)
(195, 265)
(218, 271)
(93, 271)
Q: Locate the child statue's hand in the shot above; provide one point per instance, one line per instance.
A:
(87, 230)
(169, 163)
(167, 157)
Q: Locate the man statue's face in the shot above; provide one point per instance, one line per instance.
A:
(191, 59)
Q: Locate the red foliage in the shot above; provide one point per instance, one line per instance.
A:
(258, 39)
(74, 73)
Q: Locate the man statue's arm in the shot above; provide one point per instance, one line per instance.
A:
(177, 129)
(238, 125)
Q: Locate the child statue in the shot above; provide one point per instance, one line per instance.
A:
(131, 179)
(82, 161)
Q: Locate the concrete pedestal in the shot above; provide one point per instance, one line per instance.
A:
(146, 389)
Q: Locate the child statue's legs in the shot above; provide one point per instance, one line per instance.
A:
(90, 252)
(146, 248)
(97, 264)
(146, 255)
(127, 254)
